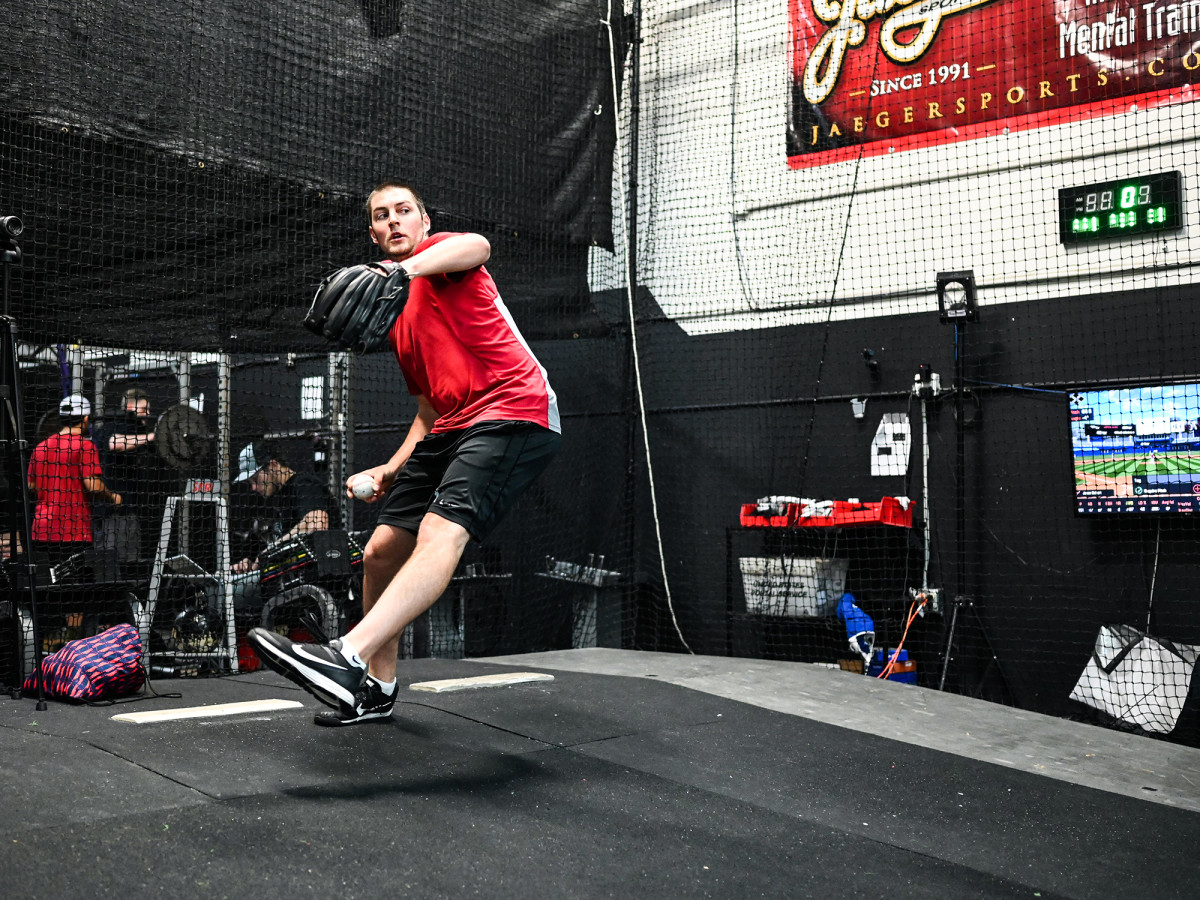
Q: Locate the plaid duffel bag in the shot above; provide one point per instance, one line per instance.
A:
(100, 667)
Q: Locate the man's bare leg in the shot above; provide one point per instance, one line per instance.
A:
(420, 581)
(386, 552)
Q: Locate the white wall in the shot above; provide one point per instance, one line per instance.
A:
(731, 238)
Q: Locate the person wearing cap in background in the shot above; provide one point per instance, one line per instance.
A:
(65, 478)
(131, 466)
(297, 502)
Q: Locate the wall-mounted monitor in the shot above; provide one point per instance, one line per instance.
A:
(1136, 449)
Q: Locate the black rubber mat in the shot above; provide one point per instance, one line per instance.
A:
(586, 786)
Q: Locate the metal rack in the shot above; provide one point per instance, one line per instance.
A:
(591, 626)
(199, 490)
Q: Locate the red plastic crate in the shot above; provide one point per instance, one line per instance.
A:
(841, 514)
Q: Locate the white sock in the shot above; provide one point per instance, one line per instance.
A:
(350, 653)
(388, 687)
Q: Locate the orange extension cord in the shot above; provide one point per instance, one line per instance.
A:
(918, 605)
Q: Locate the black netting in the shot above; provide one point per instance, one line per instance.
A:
(912, 339)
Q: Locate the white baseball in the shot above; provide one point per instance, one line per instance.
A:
(363, 488)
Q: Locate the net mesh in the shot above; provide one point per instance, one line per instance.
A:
(890, 376)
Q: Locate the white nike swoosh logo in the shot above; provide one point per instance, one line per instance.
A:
(301, 652)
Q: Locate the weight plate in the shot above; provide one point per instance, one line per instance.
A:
(182, 437)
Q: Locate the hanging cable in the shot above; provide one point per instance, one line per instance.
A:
(837, 275)
(914, 610)
(1153, 575)
(925, 504)
(630, 277)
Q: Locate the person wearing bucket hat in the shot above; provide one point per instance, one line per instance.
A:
(65, 478)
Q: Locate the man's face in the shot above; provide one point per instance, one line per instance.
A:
(139, 409)
(397, 223)
(262, 482)
(267, 480)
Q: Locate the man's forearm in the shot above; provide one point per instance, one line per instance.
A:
(313, 520)
(99, 490)
(121, 442)
(400, 457)
(454, 254)
(422, 424)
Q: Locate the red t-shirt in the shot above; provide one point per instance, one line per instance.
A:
(57, 469)
(458, 346)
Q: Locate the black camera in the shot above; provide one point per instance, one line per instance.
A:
(10, 229)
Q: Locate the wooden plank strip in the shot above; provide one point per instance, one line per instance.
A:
(480, 681)
(201, 712)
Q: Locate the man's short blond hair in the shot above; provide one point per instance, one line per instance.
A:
(395, 183)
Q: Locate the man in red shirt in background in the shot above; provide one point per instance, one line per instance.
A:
(64, 476)
(487, 424)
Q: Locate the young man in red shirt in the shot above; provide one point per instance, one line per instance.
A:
(64, 476)
(487, 424)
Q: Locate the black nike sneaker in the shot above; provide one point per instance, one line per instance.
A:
(318, 668)
(373, 702)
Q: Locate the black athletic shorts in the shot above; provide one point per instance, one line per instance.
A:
(472, 476)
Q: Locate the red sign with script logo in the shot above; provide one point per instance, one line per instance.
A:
(879, 76)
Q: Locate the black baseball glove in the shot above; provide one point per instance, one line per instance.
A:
(355, 307)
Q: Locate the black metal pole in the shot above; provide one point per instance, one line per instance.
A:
(960, 456)
(635, 115)
(631, 251)
(12, 437)
(635, 70)
(18, 462)
(960, 495)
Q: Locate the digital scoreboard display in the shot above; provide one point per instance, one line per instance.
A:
(1130, 207)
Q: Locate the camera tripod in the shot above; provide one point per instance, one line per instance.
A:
(16, 456)
(956, 298)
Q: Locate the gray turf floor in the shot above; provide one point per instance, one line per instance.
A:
(595, 784)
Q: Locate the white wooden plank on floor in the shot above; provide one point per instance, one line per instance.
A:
(479, 681)
(201, 712)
